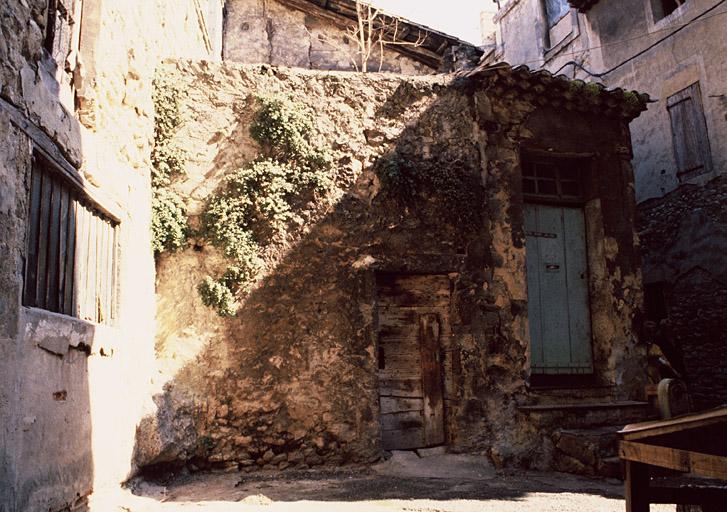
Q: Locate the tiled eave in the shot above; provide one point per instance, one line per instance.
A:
(582, 5)
(542, 88)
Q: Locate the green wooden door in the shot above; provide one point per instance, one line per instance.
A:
(557, 272)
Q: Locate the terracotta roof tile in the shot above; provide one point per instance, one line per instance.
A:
(544, 88)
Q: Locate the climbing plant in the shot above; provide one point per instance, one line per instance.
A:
(169, 215)
(256, 202)
(452, 186)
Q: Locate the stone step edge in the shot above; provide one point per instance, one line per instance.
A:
(581, 406)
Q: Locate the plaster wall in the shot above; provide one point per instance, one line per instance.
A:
(266, 31)
(291, 380)
(72, 391)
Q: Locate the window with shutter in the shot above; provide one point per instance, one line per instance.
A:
(689, 133)
(70, 265)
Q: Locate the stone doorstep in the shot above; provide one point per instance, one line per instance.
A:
(554, 395)
(588, 414)
(588, 406)
(430, 452)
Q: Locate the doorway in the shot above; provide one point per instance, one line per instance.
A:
(557, 280)
(413, 316)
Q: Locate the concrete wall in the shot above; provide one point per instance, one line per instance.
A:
(607, 35)
(291, 380)
(266, 31)
(72, 391)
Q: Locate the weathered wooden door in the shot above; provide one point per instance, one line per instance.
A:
(413, 312)
(557, 275)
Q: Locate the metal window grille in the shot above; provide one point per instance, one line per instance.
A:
(71, 250)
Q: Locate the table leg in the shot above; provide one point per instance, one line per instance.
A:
(637, 487)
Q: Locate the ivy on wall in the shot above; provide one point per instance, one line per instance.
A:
(451, 186)
(169, 215)
(257, 202)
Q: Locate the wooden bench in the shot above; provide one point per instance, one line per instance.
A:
(692, 447)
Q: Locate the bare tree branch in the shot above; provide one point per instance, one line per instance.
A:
(373, 30)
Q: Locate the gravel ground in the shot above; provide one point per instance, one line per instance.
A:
(405, 483)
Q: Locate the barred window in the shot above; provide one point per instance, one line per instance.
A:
(554, 179)
(71, 249)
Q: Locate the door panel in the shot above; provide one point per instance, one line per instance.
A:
(413, 321)
(431, 379)
(558, 308)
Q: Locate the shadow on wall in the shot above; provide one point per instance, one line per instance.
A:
(291, 380)
(684, 239)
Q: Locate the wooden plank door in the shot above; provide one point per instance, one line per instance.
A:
(413, 318)
(557, 277)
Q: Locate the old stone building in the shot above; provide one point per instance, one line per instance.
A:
(674, 51)
(421, 236)
(319, 34)
(368, 253)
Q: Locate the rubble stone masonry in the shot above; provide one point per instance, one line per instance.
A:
(684, 241)
(291, 380)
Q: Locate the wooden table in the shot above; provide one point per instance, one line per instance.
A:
(693, 447)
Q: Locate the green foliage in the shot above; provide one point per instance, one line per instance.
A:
(398, 176)
(633, 99)
(221, 294)
(168, 221)
(169, 216)
(218, 296)
(454, 189)
(257, 202)
(284, 129)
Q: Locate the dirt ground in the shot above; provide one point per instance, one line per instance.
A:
(404, 483)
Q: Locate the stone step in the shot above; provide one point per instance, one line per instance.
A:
(589, 413)
(559, 395)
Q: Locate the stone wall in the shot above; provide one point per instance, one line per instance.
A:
(72, 391)
(291, 379)
(684, 241)
(266, 31)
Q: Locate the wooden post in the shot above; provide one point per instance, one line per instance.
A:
(637, 487)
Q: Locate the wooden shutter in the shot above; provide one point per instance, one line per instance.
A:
(689, 132)
(71, 250)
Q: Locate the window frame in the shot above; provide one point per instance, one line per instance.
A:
(67, 296)
(580, 167)
(657, 9)
(552, 22)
